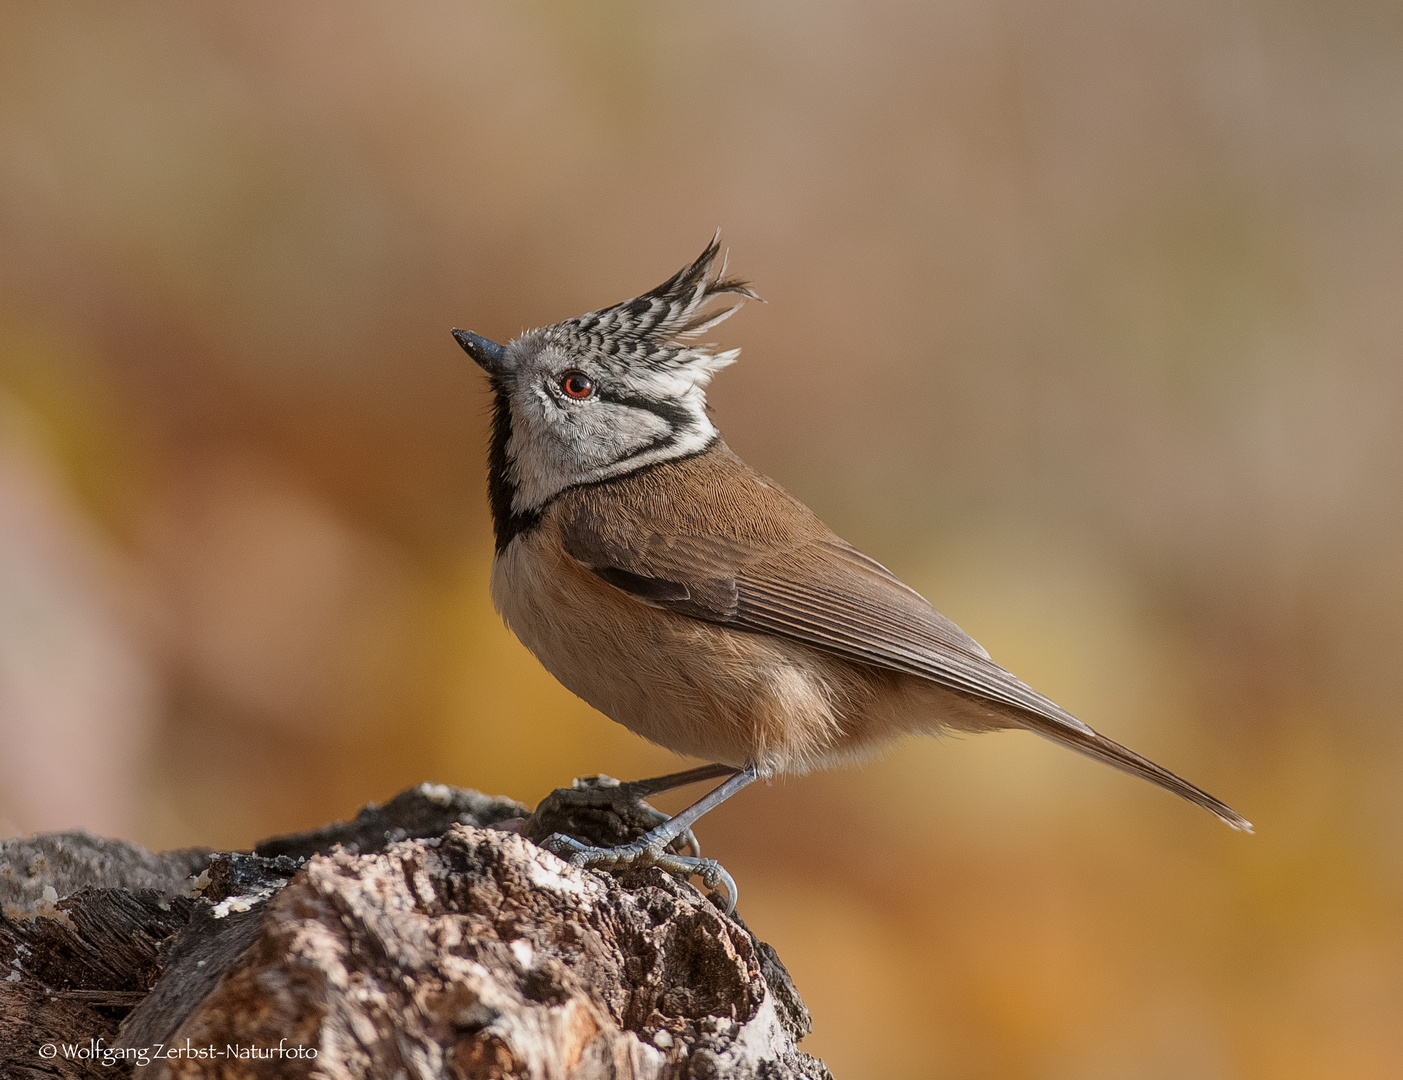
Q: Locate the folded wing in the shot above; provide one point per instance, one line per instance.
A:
(772, 567)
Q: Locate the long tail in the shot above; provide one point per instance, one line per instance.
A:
(1095, 745)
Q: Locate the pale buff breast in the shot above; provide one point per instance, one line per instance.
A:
(690, 686)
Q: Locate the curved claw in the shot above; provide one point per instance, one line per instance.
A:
(710, 871)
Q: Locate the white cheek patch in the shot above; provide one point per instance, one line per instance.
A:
(554, 446)
(607, 432)
(693, 441)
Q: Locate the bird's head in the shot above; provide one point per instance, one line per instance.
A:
(606, 393)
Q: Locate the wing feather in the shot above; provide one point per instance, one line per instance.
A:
(817, 590)
(873, 617)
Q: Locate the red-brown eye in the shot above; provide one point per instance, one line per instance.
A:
(576, 384)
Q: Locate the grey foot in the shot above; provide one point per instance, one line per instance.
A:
(641, 853)
(599, 810)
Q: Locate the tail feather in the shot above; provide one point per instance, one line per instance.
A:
(1095, 745)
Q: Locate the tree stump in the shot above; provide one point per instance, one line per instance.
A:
(426, 938)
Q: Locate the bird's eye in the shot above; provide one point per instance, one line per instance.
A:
(576, 384)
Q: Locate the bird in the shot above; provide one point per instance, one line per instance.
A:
(695, 601)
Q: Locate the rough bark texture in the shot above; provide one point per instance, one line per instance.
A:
(426, 938)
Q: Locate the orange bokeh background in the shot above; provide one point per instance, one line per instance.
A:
(1082, 316)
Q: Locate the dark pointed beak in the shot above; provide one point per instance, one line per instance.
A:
(489, 356)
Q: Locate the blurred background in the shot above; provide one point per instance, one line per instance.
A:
(1083, 316)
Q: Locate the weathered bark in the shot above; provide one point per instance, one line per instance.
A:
(426, 938)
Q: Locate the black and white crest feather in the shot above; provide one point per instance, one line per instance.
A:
(654, 329)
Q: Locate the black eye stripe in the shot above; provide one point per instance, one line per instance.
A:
(674, 415)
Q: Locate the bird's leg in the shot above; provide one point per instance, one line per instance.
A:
(651, 849)
(600, 810)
